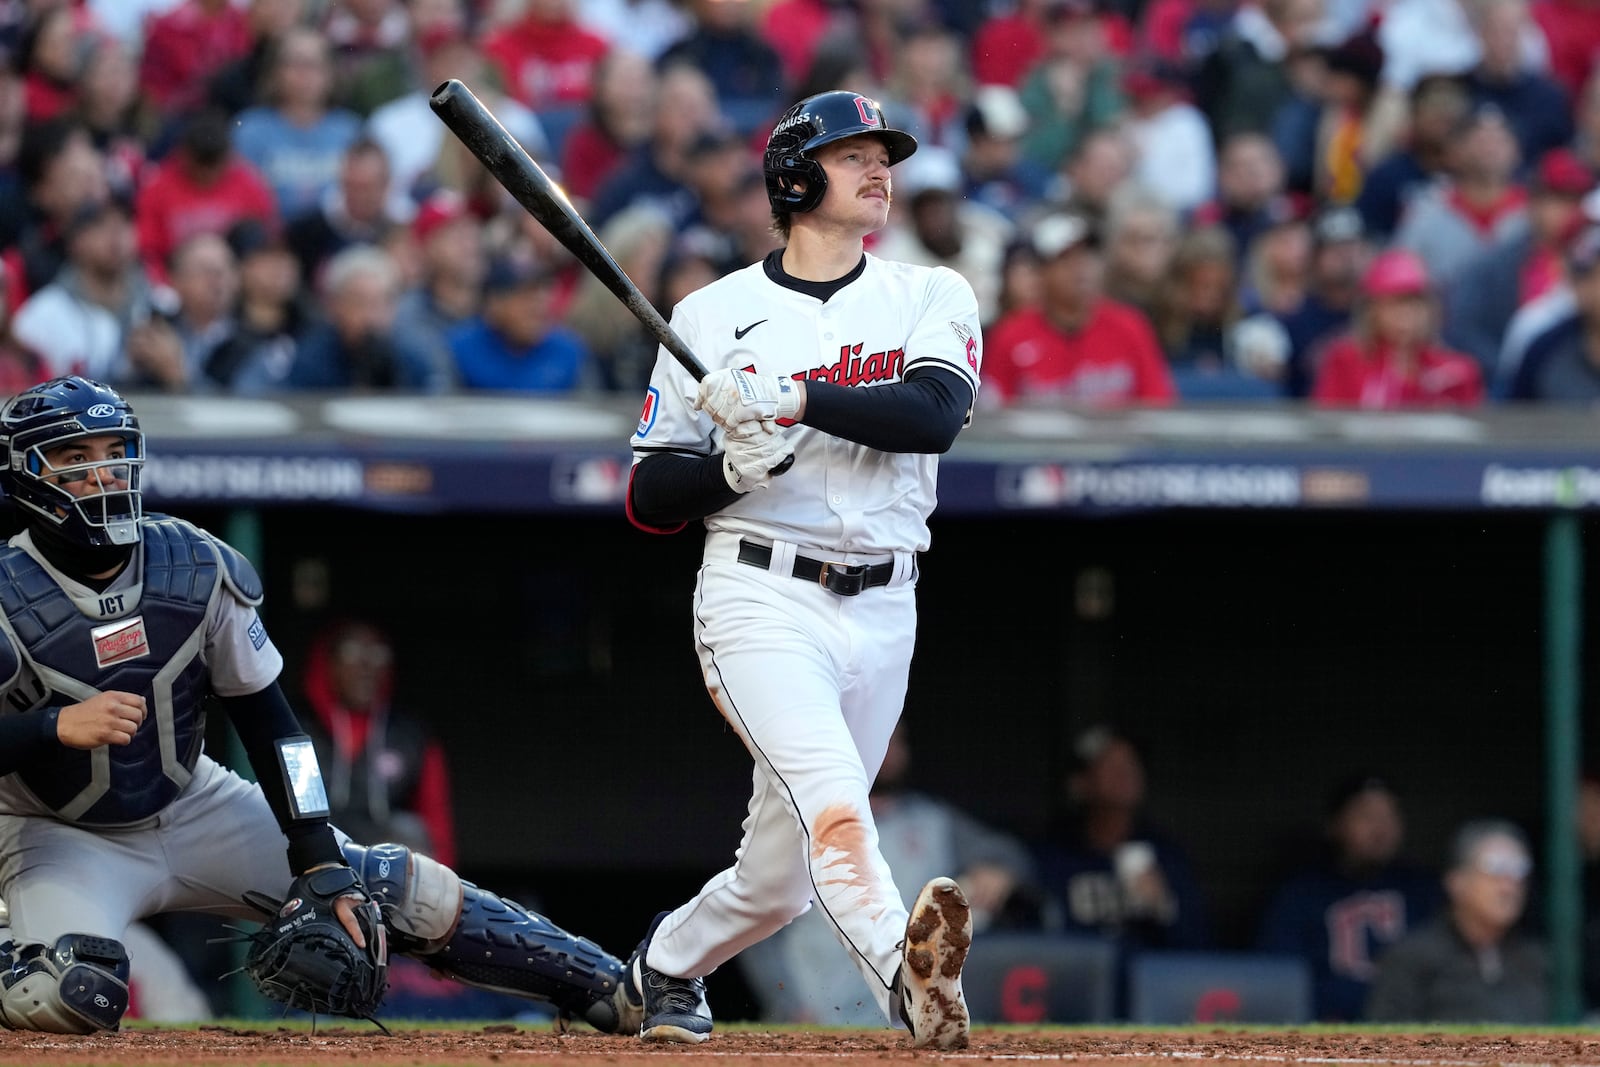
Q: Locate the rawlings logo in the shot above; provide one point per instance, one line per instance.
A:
(383, 868)
(119, 641)
(289, 906)
(101, 411)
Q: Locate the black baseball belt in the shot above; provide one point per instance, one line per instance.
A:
(842, 578)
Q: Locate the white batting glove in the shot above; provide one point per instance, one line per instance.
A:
(749, 458)
(732, 397)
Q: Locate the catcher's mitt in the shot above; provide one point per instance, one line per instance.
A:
(304, 957)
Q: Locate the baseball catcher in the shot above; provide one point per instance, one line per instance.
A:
(325, 950)
(119, 630)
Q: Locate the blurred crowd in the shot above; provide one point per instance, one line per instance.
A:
(1374, 203)
(1382, 937)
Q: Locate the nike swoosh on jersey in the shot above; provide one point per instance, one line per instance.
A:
(738, 334)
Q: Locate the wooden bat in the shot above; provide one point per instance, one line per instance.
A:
(516, 171)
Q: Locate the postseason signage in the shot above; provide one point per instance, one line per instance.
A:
(504, 453)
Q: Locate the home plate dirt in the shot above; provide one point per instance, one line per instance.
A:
(502, 1044)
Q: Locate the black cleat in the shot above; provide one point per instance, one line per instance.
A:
(674, 1009)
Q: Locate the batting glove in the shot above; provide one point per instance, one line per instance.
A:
(750, 458)
(733, 396)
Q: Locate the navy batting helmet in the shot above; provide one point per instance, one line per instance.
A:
(38, 420)
(810, 124)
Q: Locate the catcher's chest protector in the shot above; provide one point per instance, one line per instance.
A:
(159, 632)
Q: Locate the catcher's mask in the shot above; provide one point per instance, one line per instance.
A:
(795, 180)
(36, 423)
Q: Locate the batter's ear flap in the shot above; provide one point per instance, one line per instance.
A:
(787, 176)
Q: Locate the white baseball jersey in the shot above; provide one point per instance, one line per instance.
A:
(838, 494)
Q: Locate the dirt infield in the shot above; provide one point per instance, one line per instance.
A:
(498, 1045)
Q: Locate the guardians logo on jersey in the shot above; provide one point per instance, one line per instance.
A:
(855, 369)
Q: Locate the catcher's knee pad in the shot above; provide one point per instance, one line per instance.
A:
(502, 946)
(420, 897)
(79, 985)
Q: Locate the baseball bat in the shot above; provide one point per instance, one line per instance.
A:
(477, 128)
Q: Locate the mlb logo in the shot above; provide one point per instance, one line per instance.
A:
(647, 417)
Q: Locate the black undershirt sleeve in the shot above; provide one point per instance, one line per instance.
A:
(263, 718)
(26, 737)
(669, 488)
(923, 413)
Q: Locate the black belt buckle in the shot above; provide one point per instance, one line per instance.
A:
(843, 578)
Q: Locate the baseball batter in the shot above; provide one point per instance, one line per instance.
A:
(116, 629)
(863, 371)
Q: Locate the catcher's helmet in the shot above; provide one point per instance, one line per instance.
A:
(810, 124)
(54, 413)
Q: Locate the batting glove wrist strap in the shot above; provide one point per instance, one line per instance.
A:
(732, 397)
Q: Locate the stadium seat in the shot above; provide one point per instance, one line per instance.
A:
(1033, 978)
(1246, 987)
(1223, 385)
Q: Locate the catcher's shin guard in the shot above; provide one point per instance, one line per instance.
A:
(79, 985)
(420, 897)
(501, 945)
(481, 939)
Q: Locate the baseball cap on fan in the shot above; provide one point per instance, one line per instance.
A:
(1058, 234)
(1094, 741)
(1348, 789)
(91, 213)
(932, 170)
(508, 275)
(440, 209)
(997, 111)
(250, 237)
(1396, 272)
(1336, 225)
(1561, 172)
